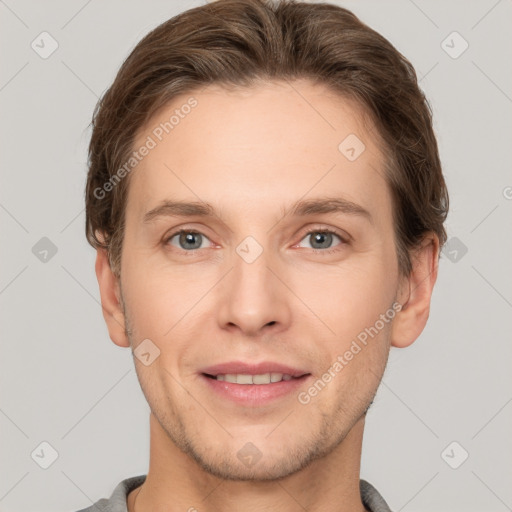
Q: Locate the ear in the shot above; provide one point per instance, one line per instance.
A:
(111, 299)
(415, 292)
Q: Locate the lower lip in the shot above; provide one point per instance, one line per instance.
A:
(255, 394)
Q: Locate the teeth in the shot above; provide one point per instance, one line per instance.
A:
(265, 378)
(244, 379)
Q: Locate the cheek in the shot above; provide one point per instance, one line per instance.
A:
(163, 305)
(161, 295)
(351, 299)
(358, 350)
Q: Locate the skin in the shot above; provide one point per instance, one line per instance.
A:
(251, 153)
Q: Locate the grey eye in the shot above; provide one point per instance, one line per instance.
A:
(320, 239)
(188, 240)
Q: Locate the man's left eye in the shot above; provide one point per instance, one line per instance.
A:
(322, 239)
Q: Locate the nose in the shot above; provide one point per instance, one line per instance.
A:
(253, 298)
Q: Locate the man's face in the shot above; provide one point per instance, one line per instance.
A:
(252, 284)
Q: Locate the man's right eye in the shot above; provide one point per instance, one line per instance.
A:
(187, 240)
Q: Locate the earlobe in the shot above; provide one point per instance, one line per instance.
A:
(111, 299)
(415, 293)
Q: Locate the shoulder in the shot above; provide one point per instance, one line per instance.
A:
(371, 498)
(117, 500)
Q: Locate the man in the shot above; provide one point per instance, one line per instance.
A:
(267, 204)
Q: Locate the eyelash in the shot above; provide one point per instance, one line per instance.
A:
(343, 239)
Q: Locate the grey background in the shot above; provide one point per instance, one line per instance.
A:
(64, 382)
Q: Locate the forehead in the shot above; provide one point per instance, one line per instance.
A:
(258, 148)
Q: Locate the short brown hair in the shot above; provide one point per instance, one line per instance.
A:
(239, 42)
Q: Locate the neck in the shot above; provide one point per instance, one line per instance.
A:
(174, 479)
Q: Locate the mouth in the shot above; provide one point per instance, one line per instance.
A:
(264, 372)
(245, 392)
(247, 378)
(253, 385)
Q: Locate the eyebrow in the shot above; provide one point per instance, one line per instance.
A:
(302, 208)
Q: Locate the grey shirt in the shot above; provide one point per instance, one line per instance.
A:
(372, 500)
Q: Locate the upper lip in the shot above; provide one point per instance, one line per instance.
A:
(239, 367)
